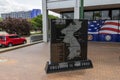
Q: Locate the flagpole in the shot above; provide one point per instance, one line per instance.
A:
(81, 9)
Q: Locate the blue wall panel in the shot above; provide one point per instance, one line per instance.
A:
(108, 37)
(93, 37)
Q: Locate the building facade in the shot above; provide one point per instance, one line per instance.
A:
(93, 10)
(22, 14)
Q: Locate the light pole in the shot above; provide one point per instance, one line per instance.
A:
(81, 9)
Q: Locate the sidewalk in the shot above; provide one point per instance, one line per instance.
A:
(29, 63)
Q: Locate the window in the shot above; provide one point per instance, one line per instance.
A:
(13, 36)
(105, 14)
(88, 15)
(68, 15)
(97, 15)
(2, 37)
(115, 14)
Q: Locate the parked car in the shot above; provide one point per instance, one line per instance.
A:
(11, 39)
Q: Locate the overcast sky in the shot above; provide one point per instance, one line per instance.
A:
(7, 6)
(25, 5)
(19, 5)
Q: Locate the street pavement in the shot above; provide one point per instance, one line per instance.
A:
(24, 64)
(28, 63)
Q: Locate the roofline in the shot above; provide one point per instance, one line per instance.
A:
(95, 7)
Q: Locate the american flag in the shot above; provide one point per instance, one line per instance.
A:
(119, 32)
(94, 26)
(103, 27)
(110, 27)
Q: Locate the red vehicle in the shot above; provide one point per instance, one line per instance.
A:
(11, 39)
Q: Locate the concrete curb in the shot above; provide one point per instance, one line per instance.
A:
(21, 46)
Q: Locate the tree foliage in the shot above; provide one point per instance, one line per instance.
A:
(37, 21)
(52, 17)
(0, 19)
(19, 26)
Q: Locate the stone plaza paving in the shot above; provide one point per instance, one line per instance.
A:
(28, 63)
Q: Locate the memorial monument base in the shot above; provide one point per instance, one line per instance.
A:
(66, 66)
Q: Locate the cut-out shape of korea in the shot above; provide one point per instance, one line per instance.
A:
(69, 38)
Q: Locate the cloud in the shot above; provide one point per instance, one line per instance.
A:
(11, 6)
(7, 6)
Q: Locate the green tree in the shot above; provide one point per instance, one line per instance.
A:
(37, 21)
(0, 19)
(52, 17)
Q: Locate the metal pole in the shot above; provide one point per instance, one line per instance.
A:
(81, 9)
(45, 20)
(76, 10)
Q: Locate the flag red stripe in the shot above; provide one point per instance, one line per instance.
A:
(104, 33)
(112, 23)
(111, 29)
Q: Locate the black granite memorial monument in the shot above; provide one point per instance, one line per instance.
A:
(68, 45)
